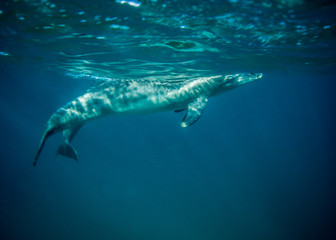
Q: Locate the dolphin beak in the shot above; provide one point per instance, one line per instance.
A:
(254, 77)
(249, 77)
(257, 76)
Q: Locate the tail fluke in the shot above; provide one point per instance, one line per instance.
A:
(67, 150)
(46, 134)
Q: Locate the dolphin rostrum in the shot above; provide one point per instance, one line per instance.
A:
(138, 97)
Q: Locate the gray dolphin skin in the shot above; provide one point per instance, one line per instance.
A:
(138, 97)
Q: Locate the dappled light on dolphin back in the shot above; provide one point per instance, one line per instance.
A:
(118, 97)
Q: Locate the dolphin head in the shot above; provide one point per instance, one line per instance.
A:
(232, 81)
(236, 80)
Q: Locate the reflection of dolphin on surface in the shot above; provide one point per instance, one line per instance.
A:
(138, 97)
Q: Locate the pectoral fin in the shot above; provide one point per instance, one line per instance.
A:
(194, 111)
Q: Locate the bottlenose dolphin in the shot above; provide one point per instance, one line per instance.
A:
(138, 97)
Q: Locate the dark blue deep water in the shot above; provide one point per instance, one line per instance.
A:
(259, 164)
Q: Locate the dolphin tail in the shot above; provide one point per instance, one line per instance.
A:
(67, 150)
(45, 135)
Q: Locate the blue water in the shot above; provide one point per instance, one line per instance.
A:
(259, 164)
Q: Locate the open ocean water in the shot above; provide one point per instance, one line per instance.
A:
(259, 164)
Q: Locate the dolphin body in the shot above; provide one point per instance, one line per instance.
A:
(138, 97)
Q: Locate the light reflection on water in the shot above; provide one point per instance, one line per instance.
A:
(148, 38)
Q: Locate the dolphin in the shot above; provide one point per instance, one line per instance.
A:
(138, 97)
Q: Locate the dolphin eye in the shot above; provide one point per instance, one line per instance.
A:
(228, 81)
(232, 79)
